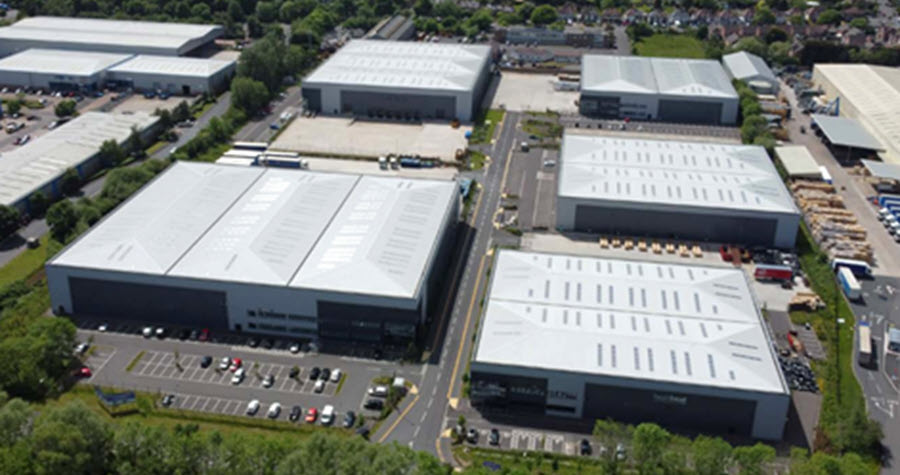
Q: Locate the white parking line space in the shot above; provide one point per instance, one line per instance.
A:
(163, 365)
(98, 359)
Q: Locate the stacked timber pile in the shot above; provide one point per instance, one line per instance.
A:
(833, 226)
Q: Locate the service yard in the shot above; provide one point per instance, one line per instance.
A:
(345, 137)
(532, 92)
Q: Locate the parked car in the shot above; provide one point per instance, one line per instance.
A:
(326, 373)
(494, 438)
(295, 414)
(160, 332)
(336, 375)
(378, 391)
(236, 364)
(81, 348)
(274, 410)
(319, 386)
(183, 334)
(295, 371)
(312, 414)
(204, 335)
(349, 419)
(585, 447)
(84, 372)
(327, 415)
(374, 404)
(295, 348)
(194, 334)
(224, 363)
(267, 343)
(472, 436)
(268, 381)
(205, 361)
(103, 326)
(252, 342)
(238, 376)
(252, 407)
(168, 399)
(314, 373)
(147, 332)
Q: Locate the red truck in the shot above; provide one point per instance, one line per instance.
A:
(773, 272)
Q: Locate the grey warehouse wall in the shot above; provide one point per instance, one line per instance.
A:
(411, 106)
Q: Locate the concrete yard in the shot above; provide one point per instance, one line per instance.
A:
(139, 103)
(343, 136)
(532, 92)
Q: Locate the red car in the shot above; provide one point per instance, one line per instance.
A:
(235, 364)
(204, 334)
(84, 372)
(312, 414)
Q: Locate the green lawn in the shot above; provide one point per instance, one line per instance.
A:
(670, 46)
(25, 264)
(485, 124)
(476, 160)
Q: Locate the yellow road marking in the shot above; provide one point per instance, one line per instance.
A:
(400, 418)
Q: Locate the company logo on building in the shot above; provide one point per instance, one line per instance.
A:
(670, 399)
(527, 391)
(558, 394)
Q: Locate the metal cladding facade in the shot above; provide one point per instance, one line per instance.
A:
(721, 193)
(401, 80)
(275, 251)
(585, 337)
(662, 89)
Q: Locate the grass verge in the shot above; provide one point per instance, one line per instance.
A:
(476, 160)
(340, 384)
(25, 264)
(485, 125)
(670, 46)
(527, 462)
(134, 362)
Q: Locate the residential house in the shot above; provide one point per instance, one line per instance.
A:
(611, 15)
(679, 17)
(657, 18)
(568, 12)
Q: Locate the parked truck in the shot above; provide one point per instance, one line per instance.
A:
(859, 268)
(773, 272)
(849, 284)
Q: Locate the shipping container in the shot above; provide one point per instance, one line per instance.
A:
(773, 272)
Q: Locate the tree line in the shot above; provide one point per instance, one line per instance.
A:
(73, 439)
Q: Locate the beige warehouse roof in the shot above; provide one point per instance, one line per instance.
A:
(797, 161)
(870, 94)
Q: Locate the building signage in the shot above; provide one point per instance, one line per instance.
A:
(559, 394)
(670, 399)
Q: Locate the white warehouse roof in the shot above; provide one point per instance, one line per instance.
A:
(798, 162)
(679, 174)
(667, 76)
(404, 64)
(178, 38)
(32, 166)
(171, 66)
(873, 94)
(60, 62)
(671, 323)
(747, 66)
(269, 226)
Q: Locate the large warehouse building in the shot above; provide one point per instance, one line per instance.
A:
(401, 80)
(109, 36)
(276, 251)
(184, 76)
(663, 89)
(54, 69)
(40, 164)
(869, 94)
(683, 190)
(682, 346)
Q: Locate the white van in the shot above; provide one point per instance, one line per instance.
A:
(327, 416)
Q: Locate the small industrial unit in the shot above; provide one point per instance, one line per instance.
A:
(720, 193)
(284, 252)
(40, 164)
(753, 70)
(85, 71)
(591, 338)
(401, 80)
(108, 36)
(661, 89)
(60, 70)
(178, 75)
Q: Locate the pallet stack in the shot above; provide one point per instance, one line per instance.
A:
(834, 227)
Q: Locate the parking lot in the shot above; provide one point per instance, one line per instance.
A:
(155, 364)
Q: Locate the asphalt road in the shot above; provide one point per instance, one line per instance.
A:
(259, 130)
(15, 244)
(420, 423)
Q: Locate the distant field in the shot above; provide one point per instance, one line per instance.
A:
(670, 46)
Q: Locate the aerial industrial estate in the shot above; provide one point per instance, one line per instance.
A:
(448, 242)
